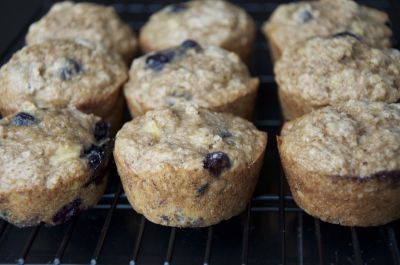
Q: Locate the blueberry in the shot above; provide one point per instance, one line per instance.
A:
(215, 162)
(23, 119)
(177, 8)
(202, 189)
(101, 130)
(96, 154)
(191, 44)
(67, 212)
(69, 69)
(158, 60)
(346, 34)
(305, 16)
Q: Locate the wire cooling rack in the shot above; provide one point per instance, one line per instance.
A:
(273, 230)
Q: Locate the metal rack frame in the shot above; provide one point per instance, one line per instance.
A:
(299, 238)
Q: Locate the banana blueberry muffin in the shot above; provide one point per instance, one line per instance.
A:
(328, 70)
(343, 162)
(61, 73)
(209, 22)
(87, 23)
(52, 165)
(294, 22)
(209, 77)
(189, 167)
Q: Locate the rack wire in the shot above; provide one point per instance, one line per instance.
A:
(272, 230)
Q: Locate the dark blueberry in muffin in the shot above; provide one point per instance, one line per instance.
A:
(346, 34)
(224, 134)
(69, 69)
(23, 119)
(177, 8)
(216, 162)
(67, 212)
(191, 44)
(202, 189)
(101, 130)
(305, 16)
(158, 60)
(96, 154)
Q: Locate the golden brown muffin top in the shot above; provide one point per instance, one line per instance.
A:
(186, 137)
(357, 139)
(87, 23)
(328, 70)
(57, 74)
(294, 22)
(210, 22)
(208, 77)
(45, 147)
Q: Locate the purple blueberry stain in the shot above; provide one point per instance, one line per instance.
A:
(216, 162)
(101, 130)
(23, 119)
(67, 212)
(69, 69)
(158, 60)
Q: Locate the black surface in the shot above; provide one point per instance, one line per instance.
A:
(273, 231)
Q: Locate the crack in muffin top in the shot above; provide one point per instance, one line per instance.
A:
(191, 138)
(45, 147)
(209, 77)
(294, 22)
(87, 23)
(355, 139)
(59, 74)
(322, 71)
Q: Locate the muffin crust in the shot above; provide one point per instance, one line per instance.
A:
(209, 77)
(189, 167)
(209, 22)
(52, 165)
(58, 74)
(343, 162)
(85, 23)
(294, 22)
(329, 70)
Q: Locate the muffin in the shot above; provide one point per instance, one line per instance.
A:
(189, 167)
(294, 22)
(328, 70)
(85, 23)
(209, 77)
(61, 73)
(52, 165)
(209, 22)
(343, 162)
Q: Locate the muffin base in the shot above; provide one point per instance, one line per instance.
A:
(196, 200)
(290, 106)
(242, 106)
(51, 206)
(274, 49)
(344, 200)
